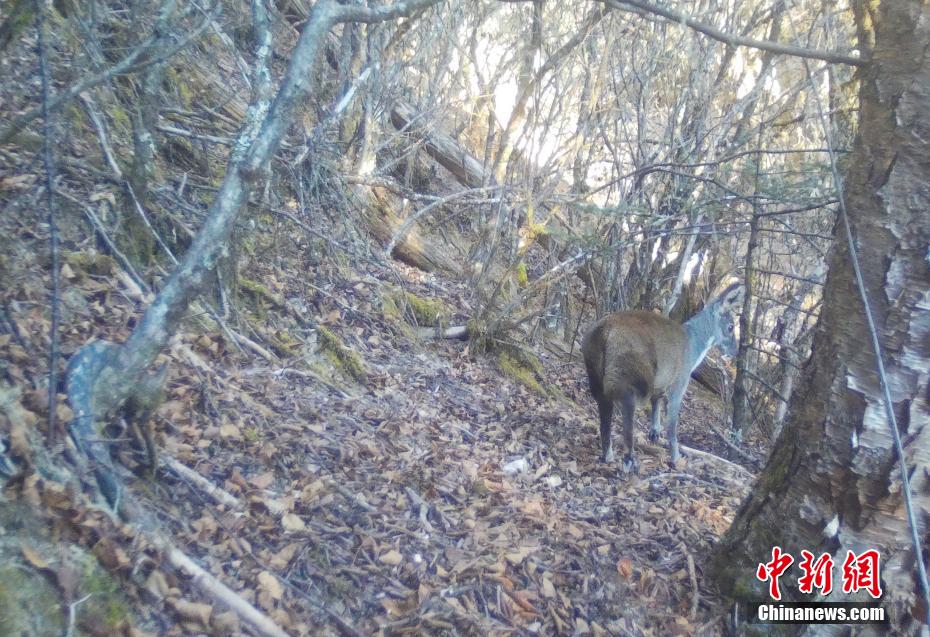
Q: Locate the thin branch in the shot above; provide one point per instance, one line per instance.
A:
(121, 258)
(736, 40)
(179, 132)
(135, 61)
(52, 222)
(354, 13)
(412, 219)
(103, 374)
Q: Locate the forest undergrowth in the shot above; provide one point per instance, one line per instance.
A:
(436, 495)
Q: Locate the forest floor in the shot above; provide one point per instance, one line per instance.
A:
(437, 491)
(393, 503)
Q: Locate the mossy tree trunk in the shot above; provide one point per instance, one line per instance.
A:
(833, 483)
(101, 378)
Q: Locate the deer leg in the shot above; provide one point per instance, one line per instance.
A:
(656, 429)
(628, 407)
(674, 404)
(605, 409)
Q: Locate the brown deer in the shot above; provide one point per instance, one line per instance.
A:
(634, 356)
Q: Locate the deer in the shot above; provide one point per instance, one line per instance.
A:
(635, 356)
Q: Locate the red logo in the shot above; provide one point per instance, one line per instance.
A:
(862, 573)
(817, 574)
(771, 571)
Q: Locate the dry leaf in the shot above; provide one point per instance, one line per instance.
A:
(392, 558)
(226, 623)
(157, 584)
(34, 558)
(193, 612)
(270, 584)
(230, 431)
(283, 557)
(625, 567)
(547, 589)
(262, 481)
(516, 557)
(292, 523)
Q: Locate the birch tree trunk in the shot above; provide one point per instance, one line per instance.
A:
(833, 483)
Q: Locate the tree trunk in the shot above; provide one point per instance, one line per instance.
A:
(101, 376)
(833, 483)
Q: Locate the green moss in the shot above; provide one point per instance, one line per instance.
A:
(521, 276)
(20, 14)
(29, 605)
(285, 345)
(522, 367)
(389, 309)
(122, 122)
(106, 598)
(325, 375)
(415, 309)
(481, 340)
(174, 81)
(258, 291)
(75, 118)
(341, 356)
(90, 263)
(136, 241)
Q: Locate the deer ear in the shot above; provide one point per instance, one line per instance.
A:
(732, 297)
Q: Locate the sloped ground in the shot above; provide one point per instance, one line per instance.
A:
(386, 503)
(361, 508)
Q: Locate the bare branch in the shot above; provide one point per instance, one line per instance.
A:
(49, 162)
(353, 13)
(136, 60)
(736, 40)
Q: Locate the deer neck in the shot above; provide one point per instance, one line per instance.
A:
(700, 330)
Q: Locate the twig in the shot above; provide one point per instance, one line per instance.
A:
(453, 332)
(711, 457)
(134, 61)
(672, 475)
(72, 614)
(355, 498)
(221, 496)
(733, 447)
(178, 132)
(6, 318)
(121, 178)
(52, 225)
(252, 345)
(111, 245)
(737, 40)
(311, 374)
(409, 221)
(695, 591)
(220, 593)
(97, 121)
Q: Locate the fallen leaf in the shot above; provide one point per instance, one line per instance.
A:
(270, 584)
(230, 431)
(34, 558)
(292, 523)
(283, 557)
(516, 557)
(547, 589)
(262, 481)
(392, 558)
(193, 612)
(625, 567)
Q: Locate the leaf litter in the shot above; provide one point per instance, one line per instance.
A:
(440, 498)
